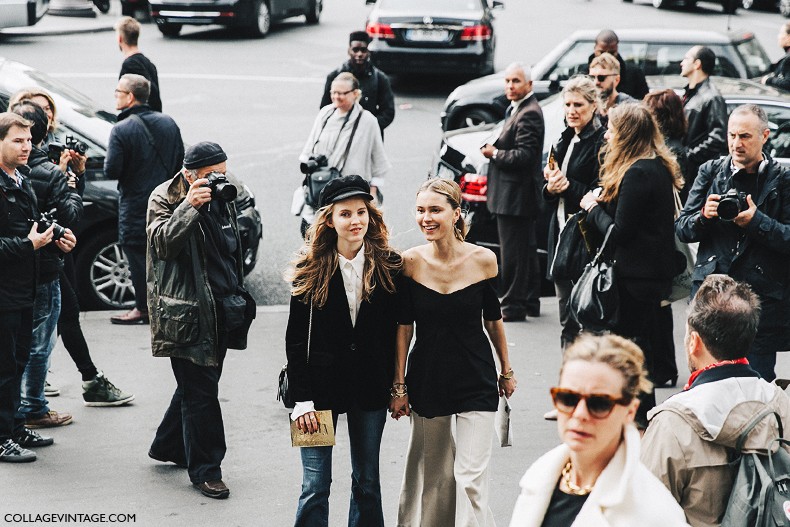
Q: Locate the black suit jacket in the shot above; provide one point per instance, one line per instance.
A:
(350, 366)
(515, 177)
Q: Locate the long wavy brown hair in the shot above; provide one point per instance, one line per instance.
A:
(636, 136)
(314, 265)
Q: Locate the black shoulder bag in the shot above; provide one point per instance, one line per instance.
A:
(284, 393)
(594, 302)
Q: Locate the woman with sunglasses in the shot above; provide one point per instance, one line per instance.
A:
(340, 343)
(637, 202)
(449, 294)
(349, 138)
(595, 478)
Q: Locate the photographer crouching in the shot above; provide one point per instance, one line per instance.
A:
(198, 308)
(739, 211)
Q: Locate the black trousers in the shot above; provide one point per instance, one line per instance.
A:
(16, 332)
(135, 255)
(192, 432)
(520, 266)
(69, 323)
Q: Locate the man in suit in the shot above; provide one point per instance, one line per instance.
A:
(514, 180)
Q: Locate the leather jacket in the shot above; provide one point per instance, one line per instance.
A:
(18, 259)
(184, 322)
(706, 113)
(757, 254)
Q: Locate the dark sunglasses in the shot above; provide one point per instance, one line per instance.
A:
(599, 405)
(601, 78)
(359, 49)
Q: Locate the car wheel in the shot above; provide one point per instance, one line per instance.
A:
(103, 277)
(747, 4)
(730, 6)
(476, 117)
(660, 4)
(314, 13)
(102, 5)
(689, 5)
(263, 20)
(169, 30)
(784, 8)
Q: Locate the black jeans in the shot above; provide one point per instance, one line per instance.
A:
(69, 323)
(135, 255)
(192, 432)
(16, 332)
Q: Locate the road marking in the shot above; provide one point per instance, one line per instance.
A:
(197, 76)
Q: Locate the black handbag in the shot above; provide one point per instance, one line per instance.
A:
(594, 302)
(315, 182)
(576, 248)
(284, 392)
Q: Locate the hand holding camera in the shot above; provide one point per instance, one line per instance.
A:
(198, 194)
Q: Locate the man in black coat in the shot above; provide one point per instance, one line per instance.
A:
(754, 245)
(706, 111)
(632, 79)
(20, 243)
(514, 183)
(377, 97)
(780, 72)
(53, 195)
(127, 31)
(145, 149)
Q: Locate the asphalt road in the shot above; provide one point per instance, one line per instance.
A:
(258, 98)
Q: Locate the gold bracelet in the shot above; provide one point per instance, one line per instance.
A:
(398, 390)
(507, 375)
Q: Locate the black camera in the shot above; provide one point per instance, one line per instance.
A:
(55, 149)
(47, 219)
(313, 163)
(221, 187)
(731, 204)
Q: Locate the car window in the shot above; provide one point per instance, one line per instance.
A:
(754, 57)
(572, 62)
(664, 59)
(634, 53)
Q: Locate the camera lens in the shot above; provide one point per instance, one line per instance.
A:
(226, 191)
(729, 208)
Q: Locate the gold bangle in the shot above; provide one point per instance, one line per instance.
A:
(507, 375)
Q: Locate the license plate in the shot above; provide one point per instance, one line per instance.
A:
(427, 35)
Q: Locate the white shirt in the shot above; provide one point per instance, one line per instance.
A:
(351, 271)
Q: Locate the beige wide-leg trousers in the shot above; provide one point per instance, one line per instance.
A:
(446, 479)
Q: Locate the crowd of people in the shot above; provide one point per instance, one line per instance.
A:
(374, 331)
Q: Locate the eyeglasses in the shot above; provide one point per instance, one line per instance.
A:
(599, 405)
(359, 49)
(601, 78)
(340, 93)
(117, 91)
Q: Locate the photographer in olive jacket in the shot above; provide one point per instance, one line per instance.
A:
(739, 212)
(198, 308)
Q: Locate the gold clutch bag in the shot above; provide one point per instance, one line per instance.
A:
(324, 437)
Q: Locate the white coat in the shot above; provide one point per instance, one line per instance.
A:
(626, 494)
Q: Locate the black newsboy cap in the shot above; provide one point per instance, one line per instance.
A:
(204, 154)
(343, 188)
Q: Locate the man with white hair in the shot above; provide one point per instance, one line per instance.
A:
(514, 183)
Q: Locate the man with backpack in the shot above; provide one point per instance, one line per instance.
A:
(377, 97)
(690, 442)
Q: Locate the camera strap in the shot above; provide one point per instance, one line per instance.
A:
(151, 140)
(345, 121)
(348, 145)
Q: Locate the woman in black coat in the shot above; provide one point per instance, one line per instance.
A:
(638, 175)
(340, 343)
(575, 173)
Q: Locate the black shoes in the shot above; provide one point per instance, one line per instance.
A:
(213, 489)
(32, 439)
(11, 452)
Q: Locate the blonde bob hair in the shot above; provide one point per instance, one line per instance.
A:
(636, 136)
(616, 352)
(312, 269)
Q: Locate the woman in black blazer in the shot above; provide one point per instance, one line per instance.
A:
(575, 174)
(343, 309)
(638, 176)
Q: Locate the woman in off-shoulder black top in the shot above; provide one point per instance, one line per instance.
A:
(451, 377)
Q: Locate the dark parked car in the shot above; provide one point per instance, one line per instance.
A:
(433, 36)
(459, 156)
(102, 270)
(253, 16)
(655, 51)
(729, 6)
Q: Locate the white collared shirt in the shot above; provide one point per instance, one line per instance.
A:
(516, 104)
(352, 271)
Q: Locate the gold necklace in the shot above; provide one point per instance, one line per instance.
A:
(573, 487)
